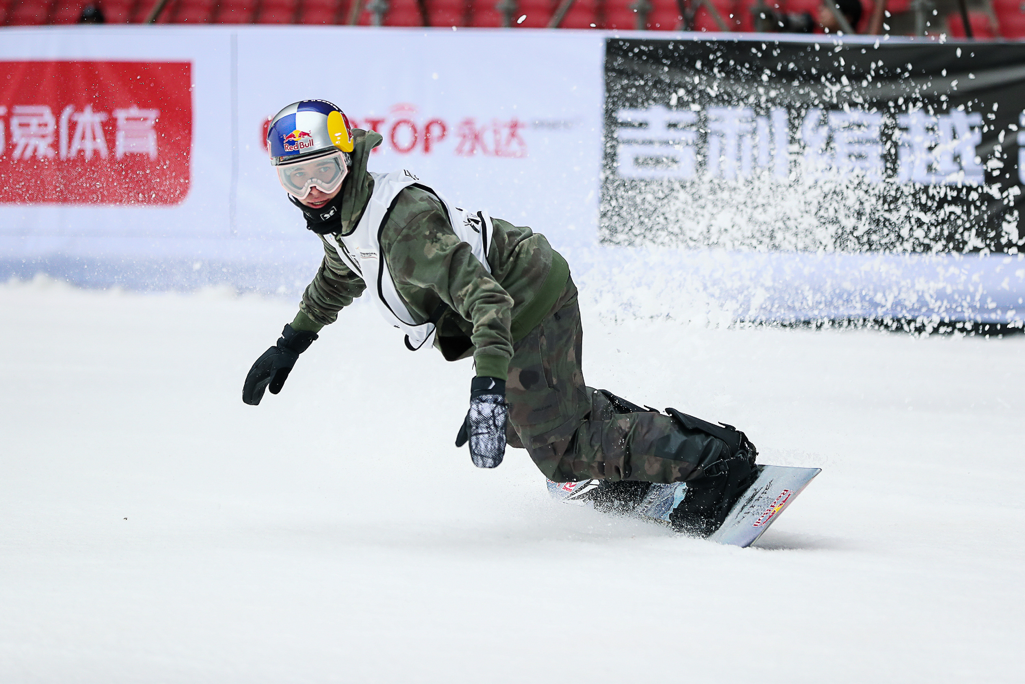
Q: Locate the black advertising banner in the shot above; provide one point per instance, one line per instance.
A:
(842, 147)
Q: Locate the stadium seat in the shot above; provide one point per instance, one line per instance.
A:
(582, 14)
(3, 11)
(143, 9)
(981, 23)
(447, 12)
(535, 13)
(619, 16)
(320, 12)
(867, 7)
(275, 15)
(192, 11)
(799, 6)
(364, 14)
(29, 13)
(67, 12)
(235, 12)
(319, 16)
(484, 15)
(403, 13)
(704, 21)
(400, 13)
(117, 11)
(664, 16)
(1010, 15)
(1012, 27)
(745, 12)
(277, 12)
(897, 7)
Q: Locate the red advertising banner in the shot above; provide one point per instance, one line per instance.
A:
(85, 132)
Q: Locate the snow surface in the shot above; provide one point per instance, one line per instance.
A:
(153, 528)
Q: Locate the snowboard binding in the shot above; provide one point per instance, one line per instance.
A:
(698, 506)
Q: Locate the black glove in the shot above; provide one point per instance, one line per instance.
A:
(274, 365)
(484, 426)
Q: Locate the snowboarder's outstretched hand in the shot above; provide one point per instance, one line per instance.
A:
(274, 365)
(484, 426)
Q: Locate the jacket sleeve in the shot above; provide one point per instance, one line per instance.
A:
(333, 288)
(425, 254)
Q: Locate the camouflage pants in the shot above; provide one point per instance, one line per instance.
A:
(570, 430)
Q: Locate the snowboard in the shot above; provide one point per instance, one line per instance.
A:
(756, 509)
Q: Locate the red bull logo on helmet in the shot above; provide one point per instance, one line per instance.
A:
(297, 141)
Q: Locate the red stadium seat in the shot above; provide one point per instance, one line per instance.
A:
(403, 13)
(583, 14)
(535, 13)
(619, 16)
(897, 7)
(664, 16)
(400, 13)
(67, 12)
(746, 16)
(1012, 27)
(275, 15)
(320, 12)
(1010, 16)
(277, 12)
(704, 21)
(982, 25)
(277, 5)
(317, 15)
(484, 15)
(447, 12)
(867, 6)
(235, 12)
(192, 11)
(364, 14)
(117, 11)
(29, 13)
(800, 6)
(4, 9)
(143, 9)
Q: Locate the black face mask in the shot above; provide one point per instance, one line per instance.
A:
(324, 220)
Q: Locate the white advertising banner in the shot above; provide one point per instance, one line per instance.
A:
(506, 121)
(66, 123)
(134, 156)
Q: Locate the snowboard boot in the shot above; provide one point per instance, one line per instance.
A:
(712, 494)
(724, 467)
(708, 499)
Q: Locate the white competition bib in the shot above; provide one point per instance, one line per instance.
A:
(361, 250)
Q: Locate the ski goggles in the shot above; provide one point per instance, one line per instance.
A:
(326, 173)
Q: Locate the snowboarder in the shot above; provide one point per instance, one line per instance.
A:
(473, 285)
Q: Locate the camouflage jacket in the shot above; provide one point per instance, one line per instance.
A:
(437, 276)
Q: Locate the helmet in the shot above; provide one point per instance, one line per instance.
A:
(306, 131)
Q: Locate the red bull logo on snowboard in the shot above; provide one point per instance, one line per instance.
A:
(297, 141)
(773, 509)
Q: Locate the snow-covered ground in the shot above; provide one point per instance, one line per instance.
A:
(153, 528)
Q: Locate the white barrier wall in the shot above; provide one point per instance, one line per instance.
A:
(507, 120)
(487, 118)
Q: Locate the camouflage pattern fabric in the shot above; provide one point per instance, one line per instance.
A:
(572, 431)
(481, 313)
